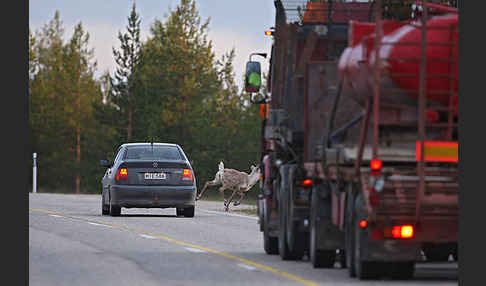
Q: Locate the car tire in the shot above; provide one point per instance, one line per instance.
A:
(179, 211)
(114, 210)
(189, 211)
(105, 209)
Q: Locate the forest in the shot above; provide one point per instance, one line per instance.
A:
(169, 87)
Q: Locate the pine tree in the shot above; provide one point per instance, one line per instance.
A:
(127, 60)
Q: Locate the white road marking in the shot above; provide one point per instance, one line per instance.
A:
(147, 236)
(246, 266)
(53, 215)
(194, 250)
(97, 224)
(229, 214)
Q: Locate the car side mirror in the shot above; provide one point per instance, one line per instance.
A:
(253, 77)
(105, 163)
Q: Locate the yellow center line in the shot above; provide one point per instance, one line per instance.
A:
(166, 238)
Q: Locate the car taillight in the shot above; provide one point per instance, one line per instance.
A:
(402, 231)
(121, 174)
(187, 175)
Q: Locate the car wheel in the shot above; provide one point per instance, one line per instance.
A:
(114, 210)
(104, 207)
(189, 212)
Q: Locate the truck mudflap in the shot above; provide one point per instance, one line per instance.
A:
(329, 236)
(391, 250)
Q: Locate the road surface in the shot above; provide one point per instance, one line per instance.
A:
(71, 243)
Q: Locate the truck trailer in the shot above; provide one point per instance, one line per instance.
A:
(360, 135)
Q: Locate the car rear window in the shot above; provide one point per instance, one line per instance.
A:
(155, 153)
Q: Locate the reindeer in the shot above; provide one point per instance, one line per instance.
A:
(230, 179)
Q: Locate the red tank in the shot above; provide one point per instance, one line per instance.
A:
(400, 60)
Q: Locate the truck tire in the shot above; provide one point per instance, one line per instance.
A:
(297, 240)
(319, 258)
(364, 269)
(349, 231)
(283, 247)
(270, 243)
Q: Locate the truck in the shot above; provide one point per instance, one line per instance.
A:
(359, 137)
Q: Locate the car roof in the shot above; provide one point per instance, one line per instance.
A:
(148, 144)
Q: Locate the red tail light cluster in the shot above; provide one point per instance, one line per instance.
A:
(121, 174)
(402, 231)
(187, 175)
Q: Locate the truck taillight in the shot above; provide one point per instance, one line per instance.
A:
(402, 231)
(307, 183)
(376, 165)
(363, 223)
(121, 174)
(187, 175)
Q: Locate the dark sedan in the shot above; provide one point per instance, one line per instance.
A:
(148, 175)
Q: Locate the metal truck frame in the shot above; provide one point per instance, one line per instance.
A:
(346, 181)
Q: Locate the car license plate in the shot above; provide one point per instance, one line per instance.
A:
(154, 176)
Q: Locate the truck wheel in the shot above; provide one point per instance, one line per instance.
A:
(319, 258)
(349, 232)
(283, 249)
(283, 246)
(270, 243)
(296, 240)
(364, 269)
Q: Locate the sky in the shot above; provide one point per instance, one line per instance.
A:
(238, 24)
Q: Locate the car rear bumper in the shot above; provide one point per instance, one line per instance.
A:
(153, 196)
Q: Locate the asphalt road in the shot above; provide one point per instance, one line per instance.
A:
(71, 243)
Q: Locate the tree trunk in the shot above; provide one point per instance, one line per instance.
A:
(78, 158)
(78, 135)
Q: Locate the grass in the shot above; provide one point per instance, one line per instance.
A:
(252, 211)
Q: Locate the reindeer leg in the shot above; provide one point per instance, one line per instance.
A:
(208, 183)
(242, 194)
(221, 191)
(229, 200)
